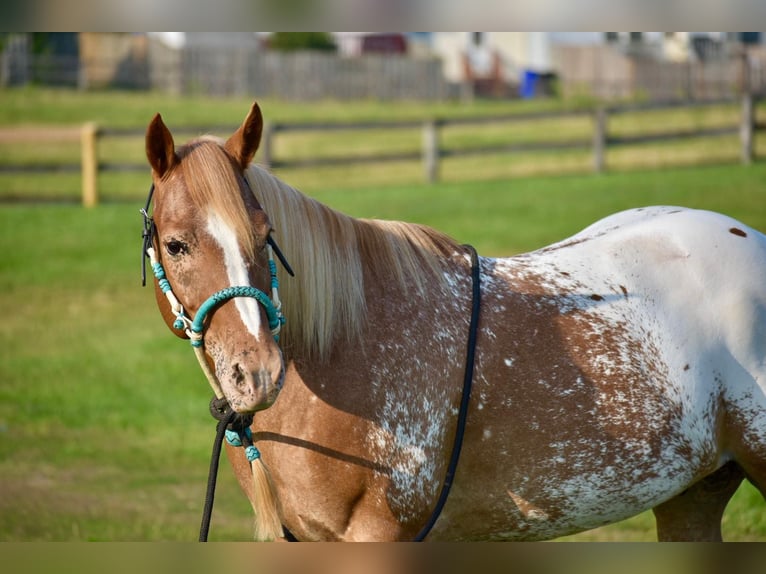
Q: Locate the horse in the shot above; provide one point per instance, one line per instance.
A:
(620, 370)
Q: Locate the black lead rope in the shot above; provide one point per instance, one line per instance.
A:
(467, 385)
(227, 418)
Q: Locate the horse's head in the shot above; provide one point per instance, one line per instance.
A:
(210, 235)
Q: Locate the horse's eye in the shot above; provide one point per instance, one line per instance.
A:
(175, 247)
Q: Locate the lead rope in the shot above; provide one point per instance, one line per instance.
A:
(225, 416)
(467, 384)
(234, 427)
(220, 408)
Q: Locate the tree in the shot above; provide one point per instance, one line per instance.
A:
(292, 41)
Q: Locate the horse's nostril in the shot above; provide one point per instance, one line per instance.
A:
(239, 374)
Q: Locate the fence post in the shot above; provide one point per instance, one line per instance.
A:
(746, 128)
(599, 139)
(431, 151)
(267, 137)
(89, 163)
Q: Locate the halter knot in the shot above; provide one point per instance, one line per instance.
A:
(252, 453)
(197, 339)
(234, 437)
(244, 438)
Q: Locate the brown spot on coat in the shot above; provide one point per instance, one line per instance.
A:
(737, 231)
(596, 297)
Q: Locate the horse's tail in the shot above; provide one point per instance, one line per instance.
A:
(268, 525)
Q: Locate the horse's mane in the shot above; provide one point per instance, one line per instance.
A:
(330, 253)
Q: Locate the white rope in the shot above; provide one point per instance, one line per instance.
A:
(199, 352)
(274, 288)
(178, 311)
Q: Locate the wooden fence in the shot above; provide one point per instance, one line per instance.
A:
(431, 152)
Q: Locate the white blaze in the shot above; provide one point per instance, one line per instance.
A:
(236, 271)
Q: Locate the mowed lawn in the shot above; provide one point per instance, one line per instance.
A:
(104, 429)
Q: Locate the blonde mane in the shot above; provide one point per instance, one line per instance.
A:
(330, 253)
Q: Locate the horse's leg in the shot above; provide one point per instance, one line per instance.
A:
(696, 513)
(369, 522)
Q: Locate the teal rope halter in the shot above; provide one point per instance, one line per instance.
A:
(245, 439)
(196, 327)
(274, 315)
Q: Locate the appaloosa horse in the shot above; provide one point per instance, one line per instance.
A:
(619, 370)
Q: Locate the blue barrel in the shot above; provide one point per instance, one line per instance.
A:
(529, 82)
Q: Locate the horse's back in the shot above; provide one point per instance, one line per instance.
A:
(709, 242)
(719, 283)
(701, 278)
(705, 269)
(706, 264)
(635, 349)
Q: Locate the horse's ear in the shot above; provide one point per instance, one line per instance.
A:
(160, 149)
(243, 144)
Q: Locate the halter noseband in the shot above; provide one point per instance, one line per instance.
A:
(195, 329)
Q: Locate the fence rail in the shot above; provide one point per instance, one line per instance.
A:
(431, 153)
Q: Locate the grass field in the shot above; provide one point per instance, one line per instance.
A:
(103, 420)
(104, 430)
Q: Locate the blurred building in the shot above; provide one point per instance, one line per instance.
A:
(659, 65)
(413, 65)
(498, 64)
(351, 44)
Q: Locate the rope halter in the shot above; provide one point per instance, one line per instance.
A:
(236, 425)
(195, 328)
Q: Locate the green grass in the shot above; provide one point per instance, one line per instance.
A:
(104, 431)
(511, 216)
(129, 109)
(104, 424)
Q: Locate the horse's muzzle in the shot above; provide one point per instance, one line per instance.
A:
(253, 388)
